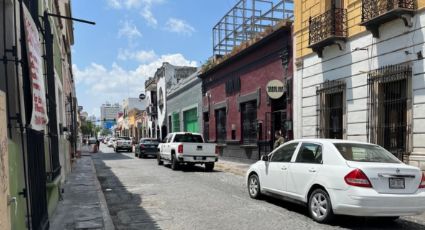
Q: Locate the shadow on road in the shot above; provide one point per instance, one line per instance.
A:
(125, 207)
(350, 222)
(191, 168)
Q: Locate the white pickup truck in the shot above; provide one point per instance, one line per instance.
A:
(187, 148)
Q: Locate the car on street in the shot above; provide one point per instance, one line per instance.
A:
(187, 148)
(111, 142)
(146, 147)
(123, 143)
(339, 177)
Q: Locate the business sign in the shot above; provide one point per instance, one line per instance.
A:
(108, 124)
(39, 117)
(275, 89)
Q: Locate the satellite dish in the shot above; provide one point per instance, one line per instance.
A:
(142, 96)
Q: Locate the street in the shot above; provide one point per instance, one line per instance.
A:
(142, 195)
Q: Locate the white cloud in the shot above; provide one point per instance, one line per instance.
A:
(129, 30)
(179, 26)
(96, 83)
(144, 6)
(141, 56)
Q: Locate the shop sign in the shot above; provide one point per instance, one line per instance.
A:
(39, 117)
(275, 89)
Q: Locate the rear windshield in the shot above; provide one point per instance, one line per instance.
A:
(150, 142)
(365, 153)
(188, 138)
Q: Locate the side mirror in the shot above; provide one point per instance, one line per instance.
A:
(265, 158)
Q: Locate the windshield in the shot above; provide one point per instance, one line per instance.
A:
(156, 142)
(365, 153)
(188, 138)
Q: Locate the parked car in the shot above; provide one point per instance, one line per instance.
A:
(187, 148)
(339, 177)
(111, 142)
(146, 147)
(123, 143)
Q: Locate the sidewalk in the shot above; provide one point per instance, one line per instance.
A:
(83, 205)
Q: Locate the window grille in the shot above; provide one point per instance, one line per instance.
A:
(249, 122)
(389, 108)
(331, 109)
(220, 120)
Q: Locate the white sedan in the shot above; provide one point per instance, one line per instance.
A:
(339, 177)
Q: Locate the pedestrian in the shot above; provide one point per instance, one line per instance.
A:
(279, 139)
(97, 143)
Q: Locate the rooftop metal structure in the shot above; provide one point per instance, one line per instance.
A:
(246, 19)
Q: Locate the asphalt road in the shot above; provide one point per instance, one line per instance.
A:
(142, 195)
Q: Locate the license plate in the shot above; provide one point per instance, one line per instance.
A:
(397, 183)
(199, 158)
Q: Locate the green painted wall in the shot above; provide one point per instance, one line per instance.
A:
(17, 183)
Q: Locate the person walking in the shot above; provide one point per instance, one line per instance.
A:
(279, 139)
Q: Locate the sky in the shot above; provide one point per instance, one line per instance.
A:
(131, 39)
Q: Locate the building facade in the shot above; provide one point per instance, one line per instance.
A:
(40, 108)
(360, 73)
(238, 112)
(184, 105)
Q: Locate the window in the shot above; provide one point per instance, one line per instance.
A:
(389, 104)
(249, 122)
(284, 153)
(365, 153)
(190, 120)
(310, 153)
(150, 141)
(188, 137)
(220, 121)
(331, 95)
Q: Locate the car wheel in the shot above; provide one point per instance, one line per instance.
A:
(254, 188)
(142, 155)
(174, 163)
(160, 162)
(319, 206)
(209, 167)
(389, 218)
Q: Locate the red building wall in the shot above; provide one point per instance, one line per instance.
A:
(255, 70)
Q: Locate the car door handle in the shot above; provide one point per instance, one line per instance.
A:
(312, 170)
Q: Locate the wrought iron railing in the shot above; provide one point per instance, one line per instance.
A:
(332, 23)
(374, 8)
(388, 108)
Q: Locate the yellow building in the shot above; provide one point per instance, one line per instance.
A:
(359, 73)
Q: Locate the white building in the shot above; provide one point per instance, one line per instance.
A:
(133, 103)
(108, 114)
(368, 85)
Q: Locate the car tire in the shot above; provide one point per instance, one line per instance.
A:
(141, 155)
(254, 188)
(209, 167)
(320, 206)
(159, 160)
(389, 218)
(174, 163)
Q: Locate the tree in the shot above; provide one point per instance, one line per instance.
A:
(105, 132)
(87, 128)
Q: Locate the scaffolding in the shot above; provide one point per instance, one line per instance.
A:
(246, 19)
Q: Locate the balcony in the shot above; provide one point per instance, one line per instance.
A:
(327, 29)
(378, 12)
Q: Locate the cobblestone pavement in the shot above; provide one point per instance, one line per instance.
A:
(142, 195)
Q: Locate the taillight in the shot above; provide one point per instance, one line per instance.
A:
(357, 178)
(142, 146)
(422, 184)
(180, 149)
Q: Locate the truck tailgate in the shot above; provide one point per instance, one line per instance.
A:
(198, 149)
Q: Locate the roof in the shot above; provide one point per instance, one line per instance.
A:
(285, 26)
(329, 141)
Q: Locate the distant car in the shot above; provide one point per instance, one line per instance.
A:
(339, 177)
(105, 141)
(111, 142)
(146, 147)
(92, 141)
(123, 143)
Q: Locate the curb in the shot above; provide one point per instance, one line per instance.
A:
(108, 224)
